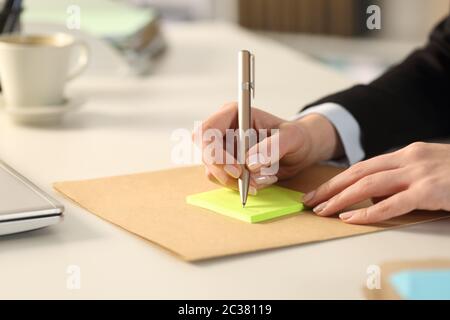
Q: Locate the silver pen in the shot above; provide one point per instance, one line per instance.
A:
(246, 84)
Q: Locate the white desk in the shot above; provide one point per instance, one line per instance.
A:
(125, 127)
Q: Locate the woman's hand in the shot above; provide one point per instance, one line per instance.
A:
(415, 177)
(300, 143)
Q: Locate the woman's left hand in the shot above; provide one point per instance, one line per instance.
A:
(415, 177)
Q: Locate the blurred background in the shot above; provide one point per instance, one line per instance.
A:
(332, 31)
(179, 60)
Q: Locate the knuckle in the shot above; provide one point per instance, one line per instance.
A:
(382, 209)
(366, 183)
(337, 200)
(364, 215)
(324, 189)
(416, 150)
(357, 169)
(229, 105)
(375, 213)
(204, 128)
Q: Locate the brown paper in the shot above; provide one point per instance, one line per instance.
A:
(153, 206)
(387, 291)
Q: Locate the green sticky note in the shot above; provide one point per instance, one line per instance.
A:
(269, 203)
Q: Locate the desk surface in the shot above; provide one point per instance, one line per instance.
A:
(125, 127)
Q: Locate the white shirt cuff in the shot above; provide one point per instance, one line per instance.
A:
(346, 126)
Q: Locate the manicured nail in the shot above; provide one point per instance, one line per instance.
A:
(263, 160)
(252, 162)
(252, 191)
(255, 161)
(320, 207)
(232, 170)
(346, 215)
(308, 197)
(265, 179)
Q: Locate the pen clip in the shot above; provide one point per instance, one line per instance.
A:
(252, 74)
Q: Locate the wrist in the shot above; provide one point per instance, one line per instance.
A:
(325, 141)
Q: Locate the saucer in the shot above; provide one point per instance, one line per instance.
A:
(43, 114)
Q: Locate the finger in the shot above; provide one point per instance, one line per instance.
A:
(271, 149)
(375, 185)
(217, 176)
(214, 129)
(396, 205)
(214, 152)
(215, 155)
(262, 181)
(350, 176)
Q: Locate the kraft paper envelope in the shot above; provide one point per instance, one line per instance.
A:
(153, 206)
(386, 289)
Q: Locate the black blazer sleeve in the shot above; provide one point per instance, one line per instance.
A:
(410, 102)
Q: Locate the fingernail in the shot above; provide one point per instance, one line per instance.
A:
(252, 162)
(256, 160)
(252, 191)
(262, 159)
(232, 171)
(308, 197)
(320, 207)
(346, 215)
(265, 179)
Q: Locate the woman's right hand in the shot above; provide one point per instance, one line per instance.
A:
(299, 144)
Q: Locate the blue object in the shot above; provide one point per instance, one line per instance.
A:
(422, 284)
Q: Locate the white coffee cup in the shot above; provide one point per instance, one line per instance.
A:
(35, 68)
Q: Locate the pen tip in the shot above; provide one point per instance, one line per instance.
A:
(243, 204)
